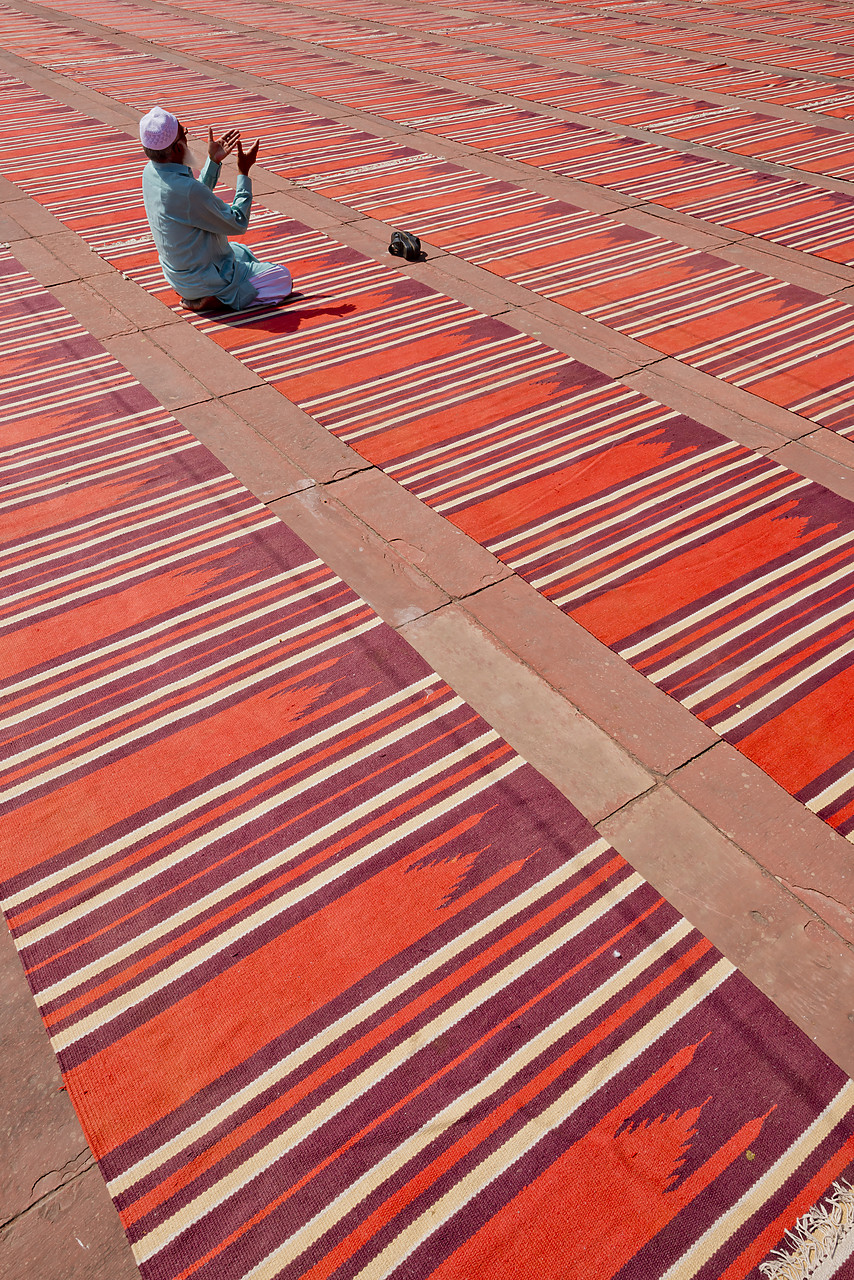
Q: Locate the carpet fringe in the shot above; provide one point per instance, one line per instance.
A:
(815, 1237)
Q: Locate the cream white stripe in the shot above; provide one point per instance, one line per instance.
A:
(724, 300)
(558, 521)
(758, 371)
(788, 644)
(796, 322)
(197, 549)
(518, 1146)
(592, 268)
(754, 622)
(189, 707)
(763, 1189)
(325, 339)
(175, 622)
(389, 382)
(359, 346)
(542, 417)
(63, 369)
(830, 793)
(117, 513)
(122, 952)
(427, 399)
(565, 279)
(463, 1005)
(203, 636)
(790, 568)
(573, 452)
(521, 473)
(149, 548)
(91, 469)
(263, 915)
(783, 690)
(548, 231)
(640, 302)
(71, 548)
(41, 404)
(56, 879)
(105, 375)
(674, 544)
(670, 521)
(321, 1041)
(456, 1111)
(67, 441)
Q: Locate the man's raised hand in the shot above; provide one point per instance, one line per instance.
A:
(246, 159)
(219, 148)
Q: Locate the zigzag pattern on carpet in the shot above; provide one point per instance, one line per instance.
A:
(719, 574)
(339, 985)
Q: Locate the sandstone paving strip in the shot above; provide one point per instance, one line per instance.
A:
(339, 985)
(535, 456)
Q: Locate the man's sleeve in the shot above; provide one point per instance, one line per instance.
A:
(212, 214)
(210, 173)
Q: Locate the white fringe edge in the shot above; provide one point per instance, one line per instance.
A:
(815, 1238)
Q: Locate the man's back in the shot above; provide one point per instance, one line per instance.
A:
(190, 226)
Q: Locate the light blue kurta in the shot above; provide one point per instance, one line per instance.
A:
(191, 226)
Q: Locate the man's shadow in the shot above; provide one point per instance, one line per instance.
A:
(286, 317)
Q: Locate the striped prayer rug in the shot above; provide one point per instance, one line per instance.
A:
(340, 987)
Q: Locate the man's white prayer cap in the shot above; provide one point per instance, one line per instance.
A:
(158, 130)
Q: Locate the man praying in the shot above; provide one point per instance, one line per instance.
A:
(191, 225)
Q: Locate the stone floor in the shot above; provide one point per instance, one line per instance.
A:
(767, 881)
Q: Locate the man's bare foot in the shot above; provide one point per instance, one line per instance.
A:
(203, 304)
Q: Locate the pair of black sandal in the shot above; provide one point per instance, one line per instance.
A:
(405, 245)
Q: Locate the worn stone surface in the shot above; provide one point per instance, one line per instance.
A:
(572, 334)
(808, 856)
(40, 262)
(204, 360)
(313, 449)
(816, 465)
(165, 378)
(70, 249)
(42, 1143)
(73, 1234)
(571, 751)
(95, 312)
(29, 217)
(145, 311)
(256, 463)
(789, 953)
(735, 413)
(392, 585)
(646, 722)
(419, 535)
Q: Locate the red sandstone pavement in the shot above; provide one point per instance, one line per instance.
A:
(771, 884)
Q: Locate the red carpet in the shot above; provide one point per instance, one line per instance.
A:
(339, 985)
